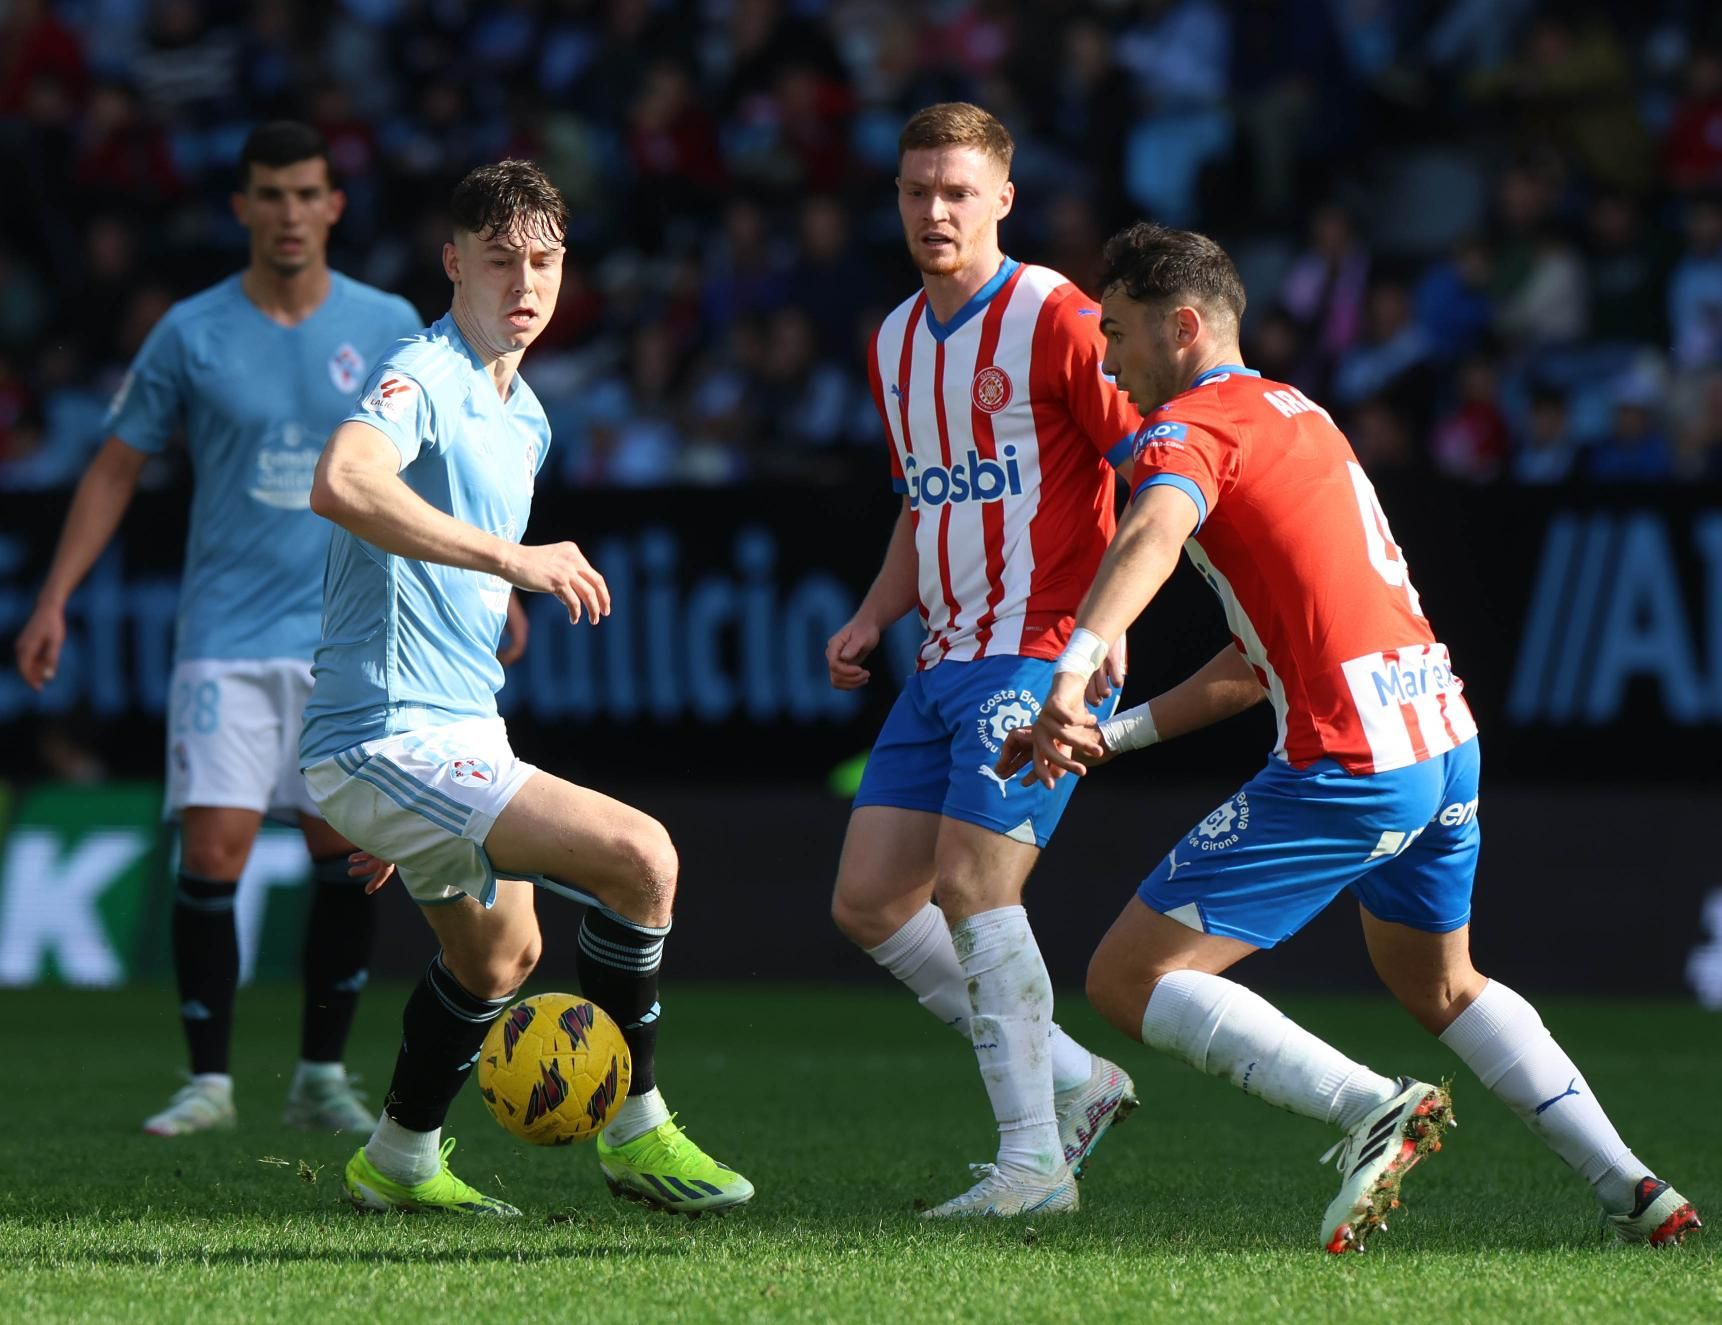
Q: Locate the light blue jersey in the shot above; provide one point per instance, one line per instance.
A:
(412, 644)
(256, 401)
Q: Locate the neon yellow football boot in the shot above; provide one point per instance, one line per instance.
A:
(664, 1169)
(443, 1193)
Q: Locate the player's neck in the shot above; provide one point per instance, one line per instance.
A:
(501, 367)
(1218, 356)
(946, 295)
(288, 298)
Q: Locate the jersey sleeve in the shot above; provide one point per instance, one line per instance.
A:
(146, 410)
(899, 483)
(395, 405)
(1069, 362)
(1200, 459)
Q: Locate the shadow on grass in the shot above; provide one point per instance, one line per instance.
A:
(161, 1260)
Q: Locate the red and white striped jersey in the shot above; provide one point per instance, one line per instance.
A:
(1004, 434)
(1316, 592)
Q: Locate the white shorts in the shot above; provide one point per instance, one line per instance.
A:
(425, 800)
(233, 736)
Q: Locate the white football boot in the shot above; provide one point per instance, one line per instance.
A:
(1085, 1113)
(1659, 1216)
(1375, 1156)
(1001, 1193)
(328, 1106)
(198, 1106)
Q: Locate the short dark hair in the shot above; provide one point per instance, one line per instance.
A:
(508, 196)
(957, 124)
(282, 143)
(1154, 263)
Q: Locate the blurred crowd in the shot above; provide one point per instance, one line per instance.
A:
(1486, 233)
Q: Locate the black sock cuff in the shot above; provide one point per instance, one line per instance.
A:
(610, 940)
(333, 870)
(458, 999)
(201, 894)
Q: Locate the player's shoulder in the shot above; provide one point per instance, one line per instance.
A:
(1064, 307)
(208, 307)
(1222, 399)
(380, 303)
(429, 357)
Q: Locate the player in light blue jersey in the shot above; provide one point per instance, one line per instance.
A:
(430, 482)
(253, 373)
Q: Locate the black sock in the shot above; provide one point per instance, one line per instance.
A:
(441, 1031)
(618, 966)
(337, 947)
(206, 966)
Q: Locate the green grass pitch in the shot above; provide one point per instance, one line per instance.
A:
(845, 1107)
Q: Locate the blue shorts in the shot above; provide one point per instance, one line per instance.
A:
(1265, 863)
(937, 748)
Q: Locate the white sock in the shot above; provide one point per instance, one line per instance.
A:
(404, 1156)
(923, 957)
(1501, 1038)
(1223, 1029)
(1010, 1013)
(638, 1115)
(309, 1073)
(213, 1083)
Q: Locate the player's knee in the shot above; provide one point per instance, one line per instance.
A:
(1110, 995)
(213, 858)
(862, 923)
(650, 866)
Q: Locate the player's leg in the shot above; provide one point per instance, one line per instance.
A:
(1415, 911)
(339, 934)
(485, 956)
(1249, 876)
(624, 860)
(214, 844)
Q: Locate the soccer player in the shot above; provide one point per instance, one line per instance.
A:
(255, 370)
(1372, 785)
(1004, 436)
(430, 481)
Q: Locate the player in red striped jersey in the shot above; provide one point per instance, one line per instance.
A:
(1372, 785)
(1004, 435)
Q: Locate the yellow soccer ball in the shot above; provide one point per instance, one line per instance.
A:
(554, 1069)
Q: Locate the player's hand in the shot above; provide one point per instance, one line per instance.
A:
(514, 633)
(39, 645)
(375, 873)
(1064, 730)
(1017, 753)
(1111, 676)
(562, 569)
(847, 650)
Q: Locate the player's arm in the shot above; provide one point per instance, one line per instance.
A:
(358, 486)
(1141, 559)
(98, 505)
(892, 595)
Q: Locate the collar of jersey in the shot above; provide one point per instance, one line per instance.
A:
(1222, 368)
(977, 301)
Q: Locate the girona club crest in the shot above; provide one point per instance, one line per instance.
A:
(991, 391)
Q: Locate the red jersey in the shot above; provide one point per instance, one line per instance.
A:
(1316, 592)
(1004, 434)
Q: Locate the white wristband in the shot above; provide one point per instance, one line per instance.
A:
(1129, 730)
(1083, 655)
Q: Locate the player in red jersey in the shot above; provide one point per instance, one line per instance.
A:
(1372, 786)
(1004, 435)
